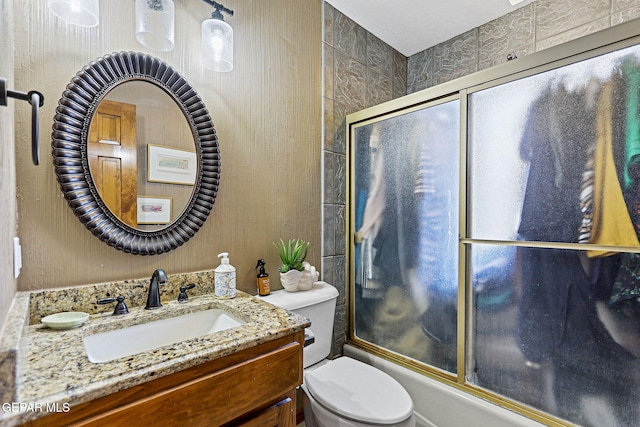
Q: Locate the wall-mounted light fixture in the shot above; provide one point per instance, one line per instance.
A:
(155, 20)
(217, 40)
(85, 13)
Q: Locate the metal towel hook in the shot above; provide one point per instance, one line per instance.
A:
(36, 99)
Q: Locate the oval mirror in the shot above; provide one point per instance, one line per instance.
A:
(135, 153)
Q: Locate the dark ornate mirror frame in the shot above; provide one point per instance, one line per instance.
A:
(69, 148)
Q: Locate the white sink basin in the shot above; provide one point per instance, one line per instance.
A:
(111, 345)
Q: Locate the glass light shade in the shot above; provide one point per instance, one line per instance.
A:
(85, 13)
(217, 45)
(155, 21)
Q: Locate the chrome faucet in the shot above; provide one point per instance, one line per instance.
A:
(153, 299)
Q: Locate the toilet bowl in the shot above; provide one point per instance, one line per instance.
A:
(343, 392)
(346, 392)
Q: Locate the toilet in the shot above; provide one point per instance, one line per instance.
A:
(343, 392)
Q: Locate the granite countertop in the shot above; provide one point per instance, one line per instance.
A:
(50, 367)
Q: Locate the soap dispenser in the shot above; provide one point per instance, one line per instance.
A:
(225, 278)
(263, 283)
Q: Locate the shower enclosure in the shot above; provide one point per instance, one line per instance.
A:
(495, 223)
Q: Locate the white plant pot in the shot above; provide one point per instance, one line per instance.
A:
(306, 281)
(290, 280)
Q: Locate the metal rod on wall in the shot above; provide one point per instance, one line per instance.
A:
(219, 7)
(36, 99)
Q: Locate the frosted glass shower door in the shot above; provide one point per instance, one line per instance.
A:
(405, 204)
(554, 191)
(496, 232)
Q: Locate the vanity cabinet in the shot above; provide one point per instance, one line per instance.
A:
(252, 387)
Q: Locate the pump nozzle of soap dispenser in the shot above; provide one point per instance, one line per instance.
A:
(224, 258)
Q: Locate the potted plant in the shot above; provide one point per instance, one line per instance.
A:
(292, 254)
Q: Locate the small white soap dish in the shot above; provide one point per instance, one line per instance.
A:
(66, 320)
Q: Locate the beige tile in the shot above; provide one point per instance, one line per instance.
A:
(349, 37)
(328, 229)
(340, 227)
(399, 78)
(554, 17)
(418, 87)
(510, 33)
(620, 5)
(328, 174)
(573, 34)
(329, 126)
(456, 57)
(349, 81)
(379, 55)
(420, 69)
(340, 179)
(625, 15)
(328, 267)
(340, 112)
(379, 87)
(501, 57)
(328, 70)
(328, 16)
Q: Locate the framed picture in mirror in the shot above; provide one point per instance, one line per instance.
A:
(154, 210)
(171, 165)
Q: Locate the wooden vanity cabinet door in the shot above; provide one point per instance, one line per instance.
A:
(282, 414)
(218, 398)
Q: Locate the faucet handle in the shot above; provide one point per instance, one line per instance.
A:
(121, 307)
(182, 296)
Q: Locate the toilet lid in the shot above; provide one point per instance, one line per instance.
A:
(359, 392)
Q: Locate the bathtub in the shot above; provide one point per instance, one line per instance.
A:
(439, 405)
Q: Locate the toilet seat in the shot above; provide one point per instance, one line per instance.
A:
(360, 392)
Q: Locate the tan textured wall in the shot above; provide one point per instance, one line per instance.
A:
(7, 162)
(267, 113)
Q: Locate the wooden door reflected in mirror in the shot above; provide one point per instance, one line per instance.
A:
(113, 158)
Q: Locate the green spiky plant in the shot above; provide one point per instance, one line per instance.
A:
(292, 254)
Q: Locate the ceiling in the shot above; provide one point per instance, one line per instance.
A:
(410, 26)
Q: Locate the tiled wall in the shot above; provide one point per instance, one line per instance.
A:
(359, 71)
(534, 27)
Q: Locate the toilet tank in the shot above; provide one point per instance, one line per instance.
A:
(318, 304)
